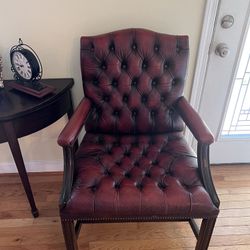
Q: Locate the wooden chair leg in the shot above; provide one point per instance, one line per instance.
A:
(206, 230)
(78, 228)
(69, 235)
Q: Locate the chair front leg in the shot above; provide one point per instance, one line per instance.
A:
(206, 230)
(69, 234)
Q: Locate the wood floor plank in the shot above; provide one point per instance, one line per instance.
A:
(235, 204)
(143, 244)
(233, 221)
(232, 197)
(236, 247)
(237, 212)
(231, 240)
(20, 231)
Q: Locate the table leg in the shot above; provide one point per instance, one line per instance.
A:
(17, 155)
(71, 109)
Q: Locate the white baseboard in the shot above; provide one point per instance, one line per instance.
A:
(32, 166)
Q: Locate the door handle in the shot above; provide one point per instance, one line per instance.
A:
(227, 21)
(222, 50)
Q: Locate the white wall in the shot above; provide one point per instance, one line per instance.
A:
(53, 29)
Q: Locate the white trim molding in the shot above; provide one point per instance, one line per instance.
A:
(202, 57)
(33, 166)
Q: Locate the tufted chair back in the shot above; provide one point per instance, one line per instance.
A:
(132, 78)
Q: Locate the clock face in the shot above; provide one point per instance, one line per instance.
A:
(22, 65)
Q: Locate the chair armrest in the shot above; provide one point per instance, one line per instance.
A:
(204, 138)
(72, 129)
(193, 121)
(67, 139)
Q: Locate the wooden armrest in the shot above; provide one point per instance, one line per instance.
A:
(194, 122)
(72, 129)
(204, 138)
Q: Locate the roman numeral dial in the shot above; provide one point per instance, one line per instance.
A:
(22, 65)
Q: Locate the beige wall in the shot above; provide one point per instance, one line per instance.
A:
(53, 29)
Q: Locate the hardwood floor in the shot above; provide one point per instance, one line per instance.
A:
(18, 230)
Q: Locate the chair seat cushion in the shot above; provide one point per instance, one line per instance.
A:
(135, 178)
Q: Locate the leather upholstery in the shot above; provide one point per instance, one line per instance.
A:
(133, 163)
(191, 118)
(132, 78)
(69, 134)
(137, 176)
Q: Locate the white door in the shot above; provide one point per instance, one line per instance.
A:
(225, 101)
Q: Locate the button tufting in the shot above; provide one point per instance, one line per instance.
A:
(127, 153)
(156, 48)
(112, 47)
(134, 82)
(154, 82)
(138, 67)
(134, 46)
(100, 139)
(106, 98)
(162, 185)
(109, 151)
(144, 64)
(124, 65)
(118, 163)
(135, 144)
(94, 188)
(174, 81)
(116, 113)
(171, 111)
(92, 46)
(166, 65)
(167, 172)
(147, 174)
(144, 98)
(107, 172)
(99, 111)
(163, 98)
(186, 186)
(134, 113)
(136, 164)
(144, 152)
(114, 83)
(95, 82)
(152, 113)
(152, 141)
(104, 65)
(127, 175)
(155, 162)
(125, 98)
(117, 185)
(139, 185)
(170, 173)
(98, 158)
(117, 143)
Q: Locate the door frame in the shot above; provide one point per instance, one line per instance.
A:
(204, 51)
(207, 32)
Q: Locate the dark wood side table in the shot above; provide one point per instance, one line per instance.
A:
(22, 114)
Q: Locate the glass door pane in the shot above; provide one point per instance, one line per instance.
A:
(237, 120)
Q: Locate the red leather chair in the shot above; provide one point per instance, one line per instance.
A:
(133, 163)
